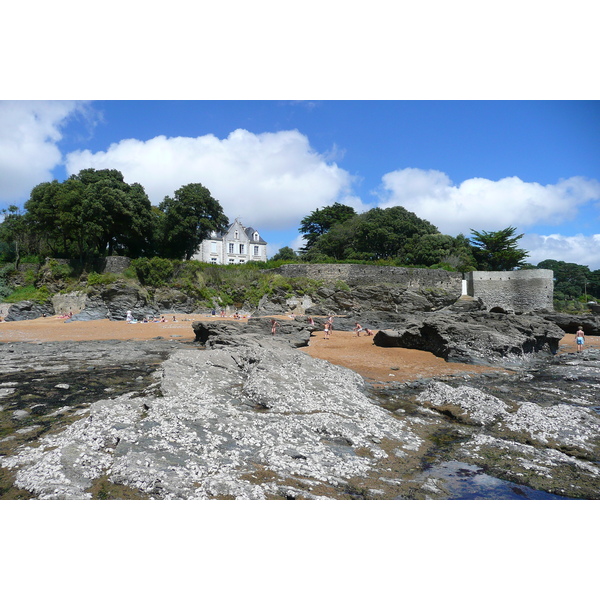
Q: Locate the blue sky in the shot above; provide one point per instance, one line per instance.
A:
(474, 164)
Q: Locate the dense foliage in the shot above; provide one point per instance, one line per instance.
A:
(390, 234)
(497, 250)
(320, 221)
(187, 219)
(96, 213)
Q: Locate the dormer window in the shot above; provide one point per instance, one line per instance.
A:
(256, 236)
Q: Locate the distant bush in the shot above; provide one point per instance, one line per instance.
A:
(101, 278)
(29, 292)
(155, 272)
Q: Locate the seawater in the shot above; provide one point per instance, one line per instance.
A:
(469, 482)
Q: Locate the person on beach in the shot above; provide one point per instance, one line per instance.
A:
(330, 321)
(274, 325)
(327, 330)
(358, 328)
(580, 339)
(129, 317)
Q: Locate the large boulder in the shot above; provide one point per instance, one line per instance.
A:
(477, 338)
(27, 309)
(255, 332)
(571, 323)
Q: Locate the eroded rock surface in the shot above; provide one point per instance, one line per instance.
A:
(161, 419)
(246, 423)
(477, 338)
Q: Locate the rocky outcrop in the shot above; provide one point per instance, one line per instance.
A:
(571, 323)
(113, 420)
(27, 309)
(256, 332)
(227, 423)
(385, 298)
(477, 338)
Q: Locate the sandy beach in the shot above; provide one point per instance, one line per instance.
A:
(342, 348)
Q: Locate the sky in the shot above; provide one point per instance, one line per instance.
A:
(462, 165)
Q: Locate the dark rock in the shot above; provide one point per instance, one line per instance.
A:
(27, 310)
(571, 323)
(256, 331)
(477, 338)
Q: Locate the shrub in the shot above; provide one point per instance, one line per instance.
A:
(155, 272)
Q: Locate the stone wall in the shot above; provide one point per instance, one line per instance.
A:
(412, 279)
(115, 264)
(531, 289)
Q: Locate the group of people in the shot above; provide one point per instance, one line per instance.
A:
(162, 319)
(328, 327)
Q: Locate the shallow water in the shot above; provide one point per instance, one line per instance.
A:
(468, 482)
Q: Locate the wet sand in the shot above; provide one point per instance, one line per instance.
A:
(343, 348)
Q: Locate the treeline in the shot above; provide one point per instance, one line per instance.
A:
(96, 213)
(399, 237)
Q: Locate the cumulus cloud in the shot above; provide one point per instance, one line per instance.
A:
(578, 249)
(269, 180)
(29, 134)
(483, 204)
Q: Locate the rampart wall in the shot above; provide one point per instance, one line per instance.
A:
(414, 279)
(531, 289)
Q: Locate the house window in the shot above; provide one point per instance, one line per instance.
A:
(230, 248)
(236, 235)
(256, 236)
(213, 247)
(242, 249)
(255, 250)
(231, 261)
(213, 260)
(242, 261)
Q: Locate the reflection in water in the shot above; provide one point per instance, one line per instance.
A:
(468, 482)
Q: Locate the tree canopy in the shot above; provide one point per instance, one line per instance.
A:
(96, 213)
(93, 213)
(497, 250)
(187, 219)
(320, 221)
(572, 280)
(373, 235)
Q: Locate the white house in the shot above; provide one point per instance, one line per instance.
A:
(237, 245)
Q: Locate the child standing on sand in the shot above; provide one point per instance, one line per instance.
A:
(580, 339)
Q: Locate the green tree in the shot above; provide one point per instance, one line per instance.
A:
(373, 235)
(93, 213)
(570, 279)
(187, 219)
(285, 253)
(320, 221)
(497, 250)
(437, 249)
(14, 236)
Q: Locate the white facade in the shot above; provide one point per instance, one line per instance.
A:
(237, 245)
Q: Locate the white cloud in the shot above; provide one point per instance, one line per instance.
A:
(269, 180)
(483, 204)
(29, 133)
(578, 249)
